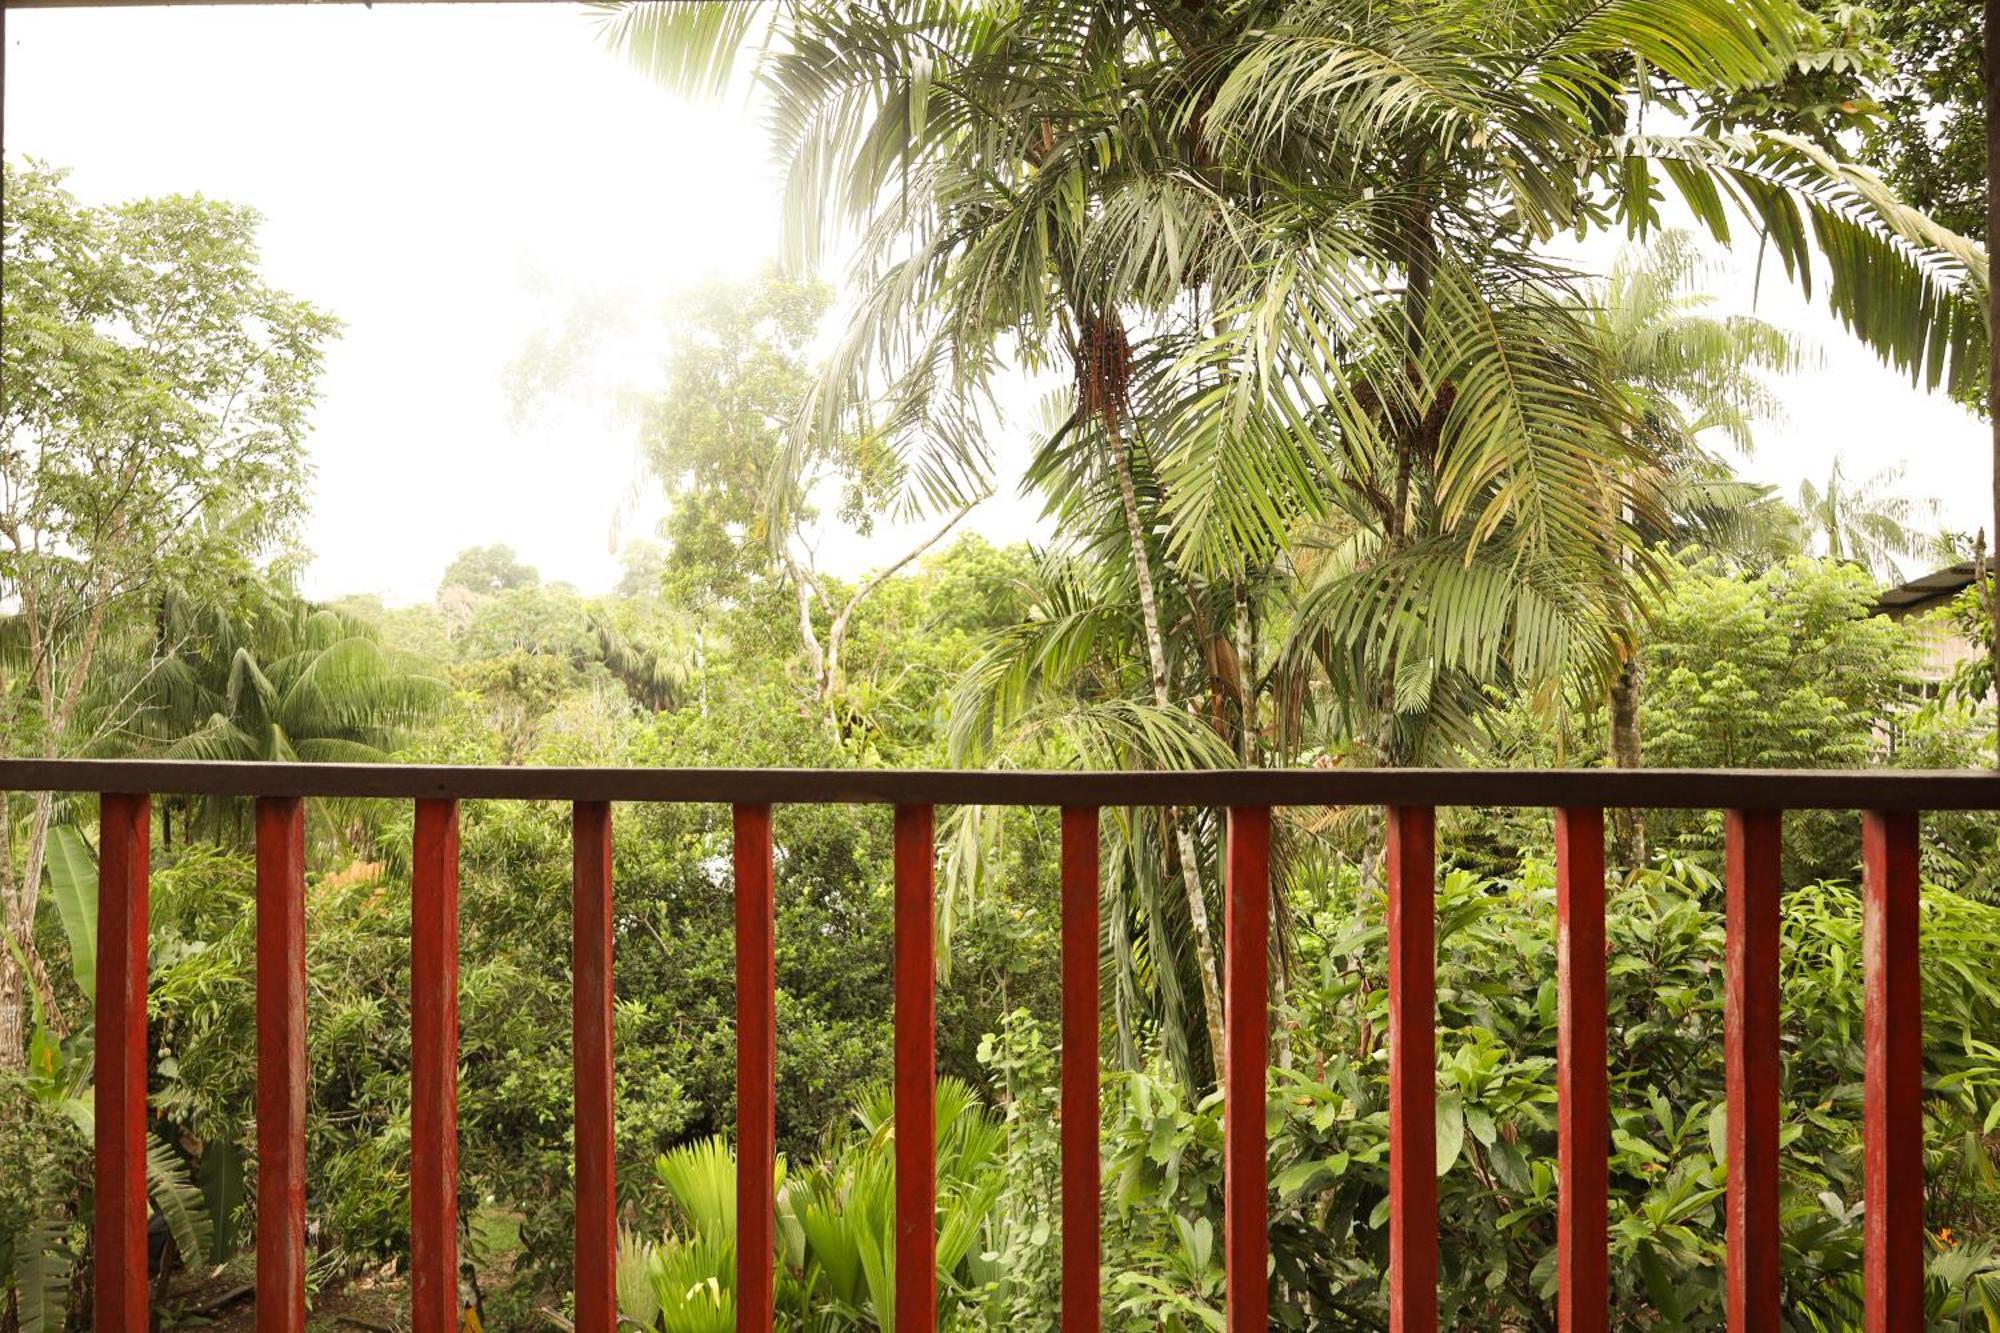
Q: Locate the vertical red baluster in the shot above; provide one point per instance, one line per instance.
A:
(916, 1073)
(1412, 923)
(1081, 1183)
(1246, 933)
(1754, 842)
(596, 1183)
(1583, 1129)
(1893, 1087)
(124, 846)
(756, 1069)
(434, 1070)
(281, 1065)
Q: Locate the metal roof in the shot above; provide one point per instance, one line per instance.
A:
(1932, 587)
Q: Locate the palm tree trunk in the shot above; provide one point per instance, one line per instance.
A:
(1250, 748)
(1156, 658)
(1993, 303)
(1628, 826)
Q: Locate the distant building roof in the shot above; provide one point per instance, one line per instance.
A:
(1925, 591)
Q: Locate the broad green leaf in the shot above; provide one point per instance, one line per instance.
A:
(73, 885)
(1450, 1131)
(220, 1172)
(179, 1200)
(41, 1278)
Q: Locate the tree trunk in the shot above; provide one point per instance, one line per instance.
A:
(58, 701)
(1250, 748)
(1993, 308)
(828, 662)
(808, 637)
(13, 1039)
(1156, 657)
(1628, 826)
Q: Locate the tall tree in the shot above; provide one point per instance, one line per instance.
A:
(1686, 374)
(1286, 253)
(1991, 108)
(742, 504)
(153, 412)
(1993, 307)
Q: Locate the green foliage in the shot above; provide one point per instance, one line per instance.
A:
(1906, 74)
(1789, 669)
(263, 675)
(154, 401)
(45, 1164)
(835, 1220)
(1867, 523)
(1496, 1114)
(144, 345)
(73, 885)
(736, 374)
(1343, 468)
(41, 1279)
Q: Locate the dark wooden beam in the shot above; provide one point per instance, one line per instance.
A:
(1651, 788)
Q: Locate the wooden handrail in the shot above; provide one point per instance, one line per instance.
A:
(1646, 788)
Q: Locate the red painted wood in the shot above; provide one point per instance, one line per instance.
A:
(1246, 982)
(1082, 1183)
(1893, 1084)
(1583, 1124)
(434, 1070)
(1412, 925)
(916, 1072)
(756, 1069)
(596, 1236)
(281, 1065)
(119, 1236)
(1754, 840)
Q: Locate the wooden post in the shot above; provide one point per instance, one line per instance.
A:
(1412, 925)
(1750, 1064)
(756, 1070)
(593, 1073)
(1082, 1301)
(434, 1070)
(119, 1166)
(1246, 932)
(281, 1065)
(916, 1072)
(1893, 1080)
(1583, 1125)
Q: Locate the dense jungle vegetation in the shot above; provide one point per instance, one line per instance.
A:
(1345, 468)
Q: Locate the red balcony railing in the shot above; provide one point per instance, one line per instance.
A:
(1890, 803)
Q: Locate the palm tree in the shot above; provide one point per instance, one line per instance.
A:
(1260, 190)
(1288, 254)
(1867, 522)
(1686, 374)
(1441, 143)
(263, 677)
(1071, 686)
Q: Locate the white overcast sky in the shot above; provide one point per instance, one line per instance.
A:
(429, 173)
